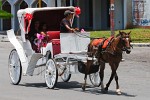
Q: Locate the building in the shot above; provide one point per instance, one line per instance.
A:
(141, 13)
(95, 14)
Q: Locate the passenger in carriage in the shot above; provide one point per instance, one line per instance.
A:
(65, 25)
(43, 31)
(34, 29)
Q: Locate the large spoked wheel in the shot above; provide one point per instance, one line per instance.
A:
(95, 79)
(51, 74)
(66, 75)
(14, 67)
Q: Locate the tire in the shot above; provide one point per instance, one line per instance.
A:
(95, 79)
(51, 74)
(66, 75)
(14, 67)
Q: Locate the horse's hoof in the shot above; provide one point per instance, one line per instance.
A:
(118, 91)
(104, 91)
(83, 88)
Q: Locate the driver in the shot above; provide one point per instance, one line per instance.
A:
(65, 25)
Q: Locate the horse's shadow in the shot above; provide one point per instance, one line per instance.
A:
(76, 86)
(98, 91)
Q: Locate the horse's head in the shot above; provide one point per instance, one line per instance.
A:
(126, 40)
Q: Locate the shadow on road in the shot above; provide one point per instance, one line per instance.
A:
(76, 86)
(97, 91)
(37, 85)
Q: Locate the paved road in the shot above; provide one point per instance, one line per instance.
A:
(134, 79)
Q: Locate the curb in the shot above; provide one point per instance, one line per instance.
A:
(140, 44)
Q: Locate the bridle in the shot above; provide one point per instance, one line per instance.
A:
(125, 39)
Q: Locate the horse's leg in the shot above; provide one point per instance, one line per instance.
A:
(113, 68)
(101, 74)
(117, 85)
(87, 69)
(116, 79)
(84, 84)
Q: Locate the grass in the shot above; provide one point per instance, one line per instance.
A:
(138, 35)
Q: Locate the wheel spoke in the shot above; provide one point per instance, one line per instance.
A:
(51, 74)
(14, 67)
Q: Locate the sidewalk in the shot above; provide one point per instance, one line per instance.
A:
(3, 38)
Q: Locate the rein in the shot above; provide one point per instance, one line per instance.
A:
(85, 36)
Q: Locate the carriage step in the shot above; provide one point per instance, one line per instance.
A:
(32, 64)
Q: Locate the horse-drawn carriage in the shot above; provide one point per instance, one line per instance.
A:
(61, 55)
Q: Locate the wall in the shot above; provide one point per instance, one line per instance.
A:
(141, 12)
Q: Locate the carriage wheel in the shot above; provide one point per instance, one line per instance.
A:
(51, 74)
(95, 79)
(66, 75)
(14, 67)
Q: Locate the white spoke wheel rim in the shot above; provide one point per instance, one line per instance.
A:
(66, 75)
(95, 79)
(14, 67)
(51, 74)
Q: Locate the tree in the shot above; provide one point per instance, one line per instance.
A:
(4, 14)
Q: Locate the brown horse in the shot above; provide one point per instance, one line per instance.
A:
(112, 54)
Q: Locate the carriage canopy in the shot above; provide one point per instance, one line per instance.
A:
(49, 15)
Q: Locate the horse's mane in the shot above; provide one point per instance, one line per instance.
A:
(117, 35)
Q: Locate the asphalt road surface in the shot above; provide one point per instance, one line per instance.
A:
(134, 80)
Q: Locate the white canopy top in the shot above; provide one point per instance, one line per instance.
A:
(32, 10)
(50, 15)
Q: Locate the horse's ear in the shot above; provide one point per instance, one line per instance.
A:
(120, 32)
(129, 32)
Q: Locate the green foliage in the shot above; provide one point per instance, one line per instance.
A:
(0, 3)
(138, 35)
(4, 14)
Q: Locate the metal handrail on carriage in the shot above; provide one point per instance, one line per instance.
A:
(23, 59)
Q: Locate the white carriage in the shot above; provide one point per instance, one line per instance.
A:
(61, 54)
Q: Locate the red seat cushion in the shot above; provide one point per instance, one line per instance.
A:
(53, 35)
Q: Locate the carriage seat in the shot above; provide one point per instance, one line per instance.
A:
(54, 38)
(53, 35)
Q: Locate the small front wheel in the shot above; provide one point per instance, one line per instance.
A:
(14, 67)
(95, 79)
(66, 75)
(51, 74)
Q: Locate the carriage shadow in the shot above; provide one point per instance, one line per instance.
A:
(59, 85)
(76, 86)
(37, 85)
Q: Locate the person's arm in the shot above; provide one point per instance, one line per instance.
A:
(42, 33)
(70, 29)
